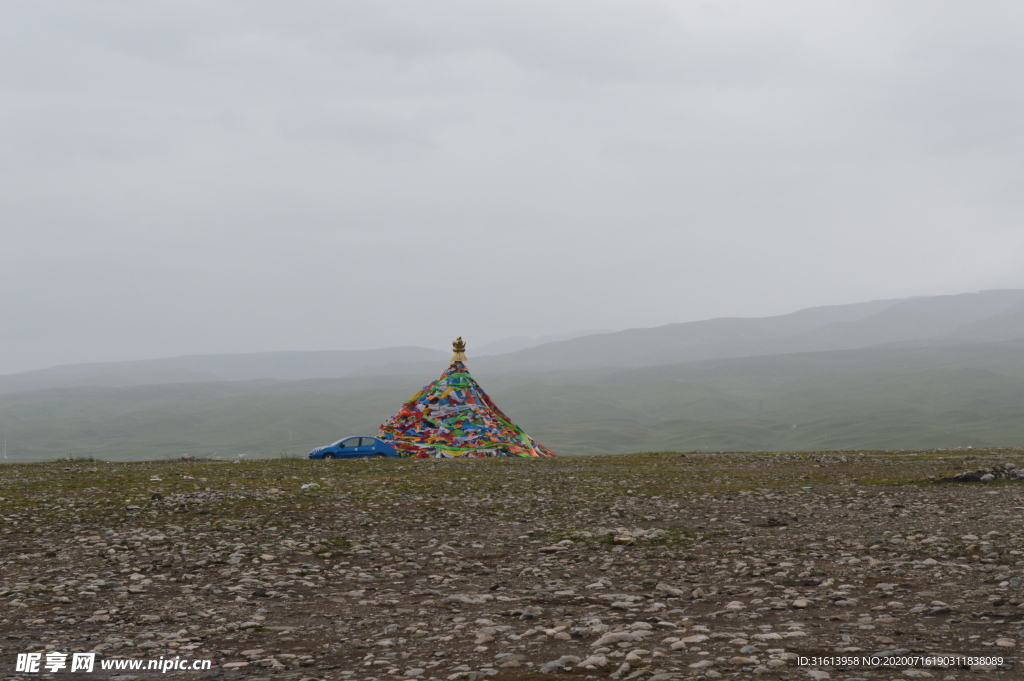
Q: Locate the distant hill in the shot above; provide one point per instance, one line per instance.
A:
(989, 315)
(876, 398)
(942, 371)
(927, 321)
(515, 343)
(289, 366)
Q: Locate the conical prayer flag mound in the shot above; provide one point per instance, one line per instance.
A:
(454, 417)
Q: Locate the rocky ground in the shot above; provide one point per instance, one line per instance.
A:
(649, 567)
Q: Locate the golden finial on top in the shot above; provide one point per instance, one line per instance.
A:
(458, 350)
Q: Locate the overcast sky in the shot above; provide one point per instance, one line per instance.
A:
(214, 176)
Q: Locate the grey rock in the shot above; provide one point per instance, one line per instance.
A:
(596, 660)
(623, 670)
(560, 663)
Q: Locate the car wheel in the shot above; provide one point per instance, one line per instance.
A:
(380, 455)
(329, 455)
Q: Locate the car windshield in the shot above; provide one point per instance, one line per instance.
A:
(335, 444)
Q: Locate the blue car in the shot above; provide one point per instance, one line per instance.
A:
(354, 448)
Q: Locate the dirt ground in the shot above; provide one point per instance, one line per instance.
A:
(649, 567)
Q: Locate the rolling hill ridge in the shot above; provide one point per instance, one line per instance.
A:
(946, 371)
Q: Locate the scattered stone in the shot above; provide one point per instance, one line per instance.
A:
(596, 660)
(560, 663)
(429, 580)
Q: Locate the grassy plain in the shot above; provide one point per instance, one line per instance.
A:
(730, 564)
(591, 413)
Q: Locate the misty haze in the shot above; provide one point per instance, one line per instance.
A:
(220, 178)
(251, 228)
(532, 340)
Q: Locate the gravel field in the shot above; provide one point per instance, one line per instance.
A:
(648, 566)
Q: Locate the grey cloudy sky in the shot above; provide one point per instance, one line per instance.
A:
(213, 176)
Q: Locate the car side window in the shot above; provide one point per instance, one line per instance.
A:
(351, 442)
(368, 441)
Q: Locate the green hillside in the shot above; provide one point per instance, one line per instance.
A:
(882, 398)
(222, 419)
(926, 408)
